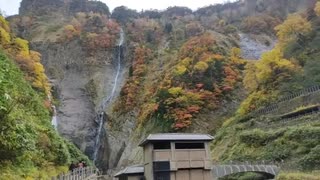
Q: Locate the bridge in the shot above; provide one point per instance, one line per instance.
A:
(270, 171)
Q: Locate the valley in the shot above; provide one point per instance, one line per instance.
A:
(245, 72)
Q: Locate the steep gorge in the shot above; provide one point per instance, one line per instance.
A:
(177, 71)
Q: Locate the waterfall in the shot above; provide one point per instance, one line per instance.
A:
(108, 99)
(100, 119)
(54, 121)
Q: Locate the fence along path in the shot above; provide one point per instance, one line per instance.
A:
(274, 106)
(87, 173)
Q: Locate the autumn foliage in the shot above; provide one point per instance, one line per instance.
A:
(199, 81)
(133, 85)
(202, 76)
(28, 61)
(264, 78)
(262, 23)
(96, 31)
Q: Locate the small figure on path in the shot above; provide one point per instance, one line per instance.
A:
(84, 164)
(72, 166)
(80, 165)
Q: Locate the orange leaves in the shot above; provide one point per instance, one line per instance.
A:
(95, 41)
(113, 26)
(231, 76)
(70, 31)
(183, 116)
(105, 38)
(181, 106)
(131, 88)
(197, 45)
(193, 109)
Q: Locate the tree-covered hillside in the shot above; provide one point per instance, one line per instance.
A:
(30, 148)
(177, 70)
(271, 136)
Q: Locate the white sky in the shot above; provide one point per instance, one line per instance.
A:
(11, 7)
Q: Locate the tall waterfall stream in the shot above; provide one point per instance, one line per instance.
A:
(105, 102)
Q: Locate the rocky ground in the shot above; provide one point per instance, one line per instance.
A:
(253, 47)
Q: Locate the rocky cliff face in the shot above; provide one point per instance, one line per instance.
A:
(78, 88)
(78, 43)
(67, 7)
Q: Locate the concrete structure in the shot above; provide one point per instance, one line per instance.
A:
(181, 156)
(131, 173)
(270, 171)
(176, 156)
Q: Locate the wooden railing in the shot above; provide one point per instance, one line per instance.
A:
(79, 174)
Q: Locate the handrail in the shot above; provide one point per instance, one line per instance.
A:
(273, 106)
(78, 174)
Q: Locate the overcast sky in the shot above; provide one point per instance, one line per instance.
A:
(11, 7)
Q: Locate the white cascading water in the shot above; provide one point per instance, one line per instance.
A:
(96, 148)
(109, 98)
(54, 121)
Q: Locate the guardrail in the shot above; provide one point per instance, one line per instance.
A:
(78, 174)
(271, 107)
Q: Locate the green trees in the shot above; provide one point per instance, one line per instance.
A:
(28, 141)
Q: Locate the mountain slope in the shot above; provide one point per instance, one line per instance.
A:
(272, 135)
(29, 145)
(181, 71)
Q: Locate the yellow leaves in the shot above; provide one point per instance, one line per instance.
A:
(201, 66)
(294, 25)
(182, 67)
(180, 70)
(175, 91)
(23, 45)
(148, 110)
(91, 36)
(317, 8)
(250, 79)
(4, 24)
(4, 36)
(272, 65)
(70, 31)
(28, 61)
(186, 61)
(35, 56)
(270, 71)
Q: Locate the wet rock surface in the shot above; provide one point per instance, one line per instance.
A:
(253, 47)
(71, 77)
